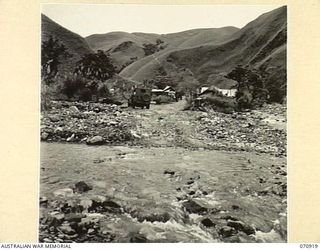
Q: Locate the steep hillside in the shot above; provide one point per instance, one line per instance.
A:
(148, 66)
(126, 48)
(76, 45)
(261, 43)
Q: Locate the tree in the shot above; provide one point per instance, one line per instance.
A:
(251, 88)
(159, 41)
(95, 66)
(150, 48)
(52, 51)
(276, 85)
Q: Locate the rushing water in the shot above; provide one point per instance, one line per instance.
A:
(136, 178)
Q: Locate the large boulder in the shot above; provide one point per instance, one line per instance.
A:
(64, 192)
(226, 231)
(207, 222)
(104, 206)
(193, 207)
(74, 217)
(67, 229)
(44, 136)
(151, 216)
(74, 109)
(54, 118)
(240, 226)
(96, 140)
(81, 187)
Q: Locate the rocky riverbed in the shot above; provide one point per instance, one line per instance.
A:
(255, 130)
(262, 130)
(162, 175)
(80, 121)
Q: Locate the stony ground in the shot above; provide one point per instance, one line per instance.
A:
(167, 125)
(78, 122)
(175, 176)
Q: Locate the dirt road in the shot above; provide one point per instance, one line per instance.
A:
(168, 125)
(173, 187)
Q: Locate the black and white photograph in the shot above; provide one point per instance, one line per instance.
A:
(163, 123)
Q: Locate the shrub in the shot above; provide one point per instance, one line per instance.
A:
(73, 85)
(216, 102)
(220, 103)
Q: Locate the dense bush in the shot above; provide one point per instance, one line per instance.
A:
(276, 84)
(96, 66)
(150, 48)
(257, 86)
(73, 85)
(221, 103)
(251, 89)
(217, 102)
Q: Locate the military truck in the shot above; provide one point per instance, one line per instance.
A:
(141, 97)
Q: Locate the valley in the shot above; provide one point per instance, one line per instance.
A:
(191, 164)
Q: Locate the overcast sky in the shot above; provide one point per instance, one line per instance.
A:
(87, 19)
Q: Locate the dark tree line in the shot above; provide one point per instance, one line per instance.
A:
(88, 77)
(257, 86)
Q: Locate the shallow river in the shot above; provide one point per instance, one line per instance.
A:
(159, 181)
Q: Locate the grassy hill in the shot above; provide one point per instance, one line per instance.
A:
(148, 67)
(125, 48)
(261, 43)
